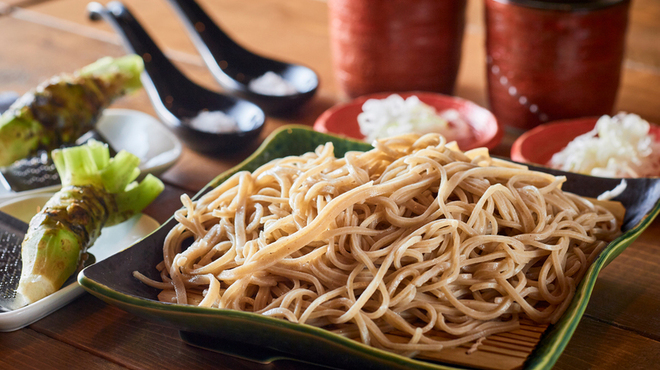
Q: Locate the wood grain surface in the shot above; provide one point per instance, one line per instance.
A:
(40, 38)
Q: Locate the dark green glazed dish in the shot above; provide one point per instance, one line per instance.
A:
(266, 339)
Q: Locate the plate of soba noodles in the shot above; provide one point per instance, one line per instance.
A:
(404, 254)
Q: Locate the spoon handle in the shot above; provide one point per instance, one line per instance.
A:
(225, 58)
(162, 79)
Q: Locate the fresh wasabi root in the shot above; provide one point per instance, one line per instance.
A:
(63, 108)
(96, 191)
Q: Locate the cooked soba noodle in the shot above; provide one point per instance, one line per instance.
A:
(412, 247)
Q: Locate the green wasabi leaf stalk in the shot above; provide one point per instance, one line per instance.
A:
(97, 191)
(63, 108)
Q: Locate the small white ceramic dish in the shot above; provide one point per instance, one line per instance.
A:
(142, 135)
(112, 240)
(135, 132)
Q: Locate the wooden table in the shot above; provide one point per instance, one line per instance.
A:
(40, 38)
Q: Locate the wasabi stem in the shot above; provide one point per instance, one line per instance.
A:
(97, 191)
(63, 108)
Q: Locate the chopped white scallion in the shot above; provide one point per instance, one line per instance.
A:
(618, 190)
(618, 146)
(394, 116)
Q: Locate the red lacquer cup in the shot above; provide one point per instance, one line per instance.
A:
(396, 45)
(550, 60)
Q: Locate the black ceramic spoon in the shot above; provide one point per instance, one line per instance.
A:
(236, 68)
(176, 99)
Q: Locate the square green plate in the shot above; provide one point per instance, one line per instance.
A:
(266, 339)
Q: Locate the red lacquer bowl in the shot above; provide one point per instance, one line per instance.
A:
(539, 144)
(342, 118)
(552, 60)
